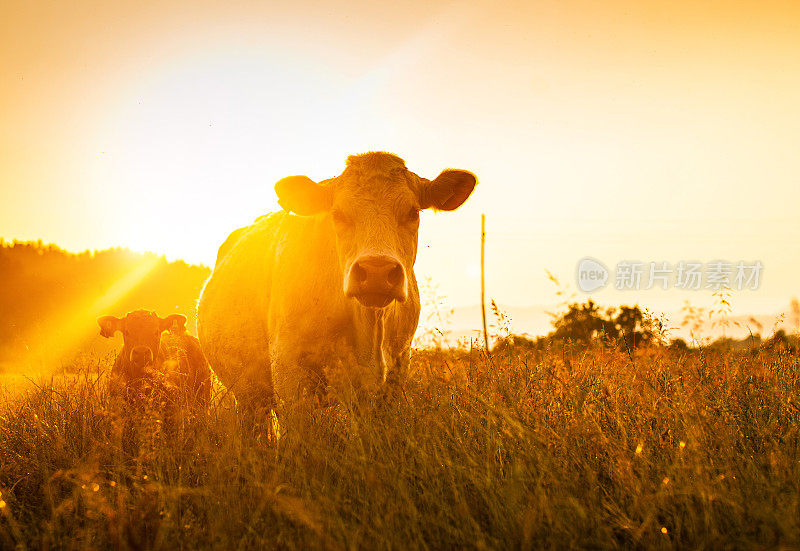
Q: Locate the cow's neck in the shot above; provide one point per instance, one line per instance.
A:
(369, 338)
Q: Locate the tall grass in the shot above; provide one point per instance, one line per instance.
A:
(564, 448)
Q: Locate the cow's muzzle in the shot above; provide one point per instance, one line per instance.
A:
(141, 357)
(376, 280)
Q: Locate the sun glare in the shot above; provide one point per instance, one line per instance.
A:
(70, 327)
(228, 129)
(232, 120)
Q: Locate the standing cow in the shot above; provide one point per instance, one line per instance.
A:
(332, 286)
(150, 361)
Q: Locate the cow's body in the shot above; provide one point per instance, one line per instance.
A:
(274, 318)
(183, 364)
(281, 281)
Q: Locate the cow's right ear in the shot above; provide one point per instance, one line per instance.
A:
(302, 195)
(109, 325)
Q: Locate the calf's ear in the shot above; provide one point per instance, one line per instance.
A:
(166, 323)
(448, 191)
(109, 325)
(302, 195)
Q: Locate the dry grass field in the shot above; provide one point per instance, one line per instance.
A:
(564, 448)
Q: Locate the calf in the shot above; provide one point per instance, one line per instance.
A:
(149, 360)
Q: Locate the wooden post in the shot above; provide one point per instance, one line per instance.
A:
(483, 283)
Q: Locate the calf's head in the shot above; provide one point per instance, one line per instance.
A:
(374, 208)
(141, 334)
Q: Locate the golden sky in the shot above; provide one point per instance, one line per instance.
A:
(656, 131)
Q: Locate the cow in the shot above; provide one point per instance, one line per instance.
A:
(327, 285)
(149, 360)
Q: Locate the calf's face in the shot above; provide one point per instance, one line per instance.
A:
(374, 208)
(141, 333)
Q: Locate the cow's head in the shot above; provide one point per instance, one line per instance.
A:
(141, 333)
(374, 209)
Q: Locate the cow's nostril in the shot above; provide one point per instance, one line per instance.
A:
(395, 276)
(359, 273)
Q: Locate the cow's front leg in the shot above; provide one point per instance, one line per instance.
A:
(396, 372)
(397, 368)
(253, 388)
(295, 376)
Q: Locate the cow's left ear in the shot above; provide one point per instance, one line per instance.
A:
(448, 191)
(302, 195)
(166, 323)
(109, 325)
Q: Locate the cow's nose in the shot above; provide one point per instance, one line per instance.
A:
(376, 281)
(141, 356)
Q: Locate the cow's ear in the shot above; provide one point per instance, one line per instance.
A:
(302, 195)
(109, 325)
(166, 323)
(448, 191)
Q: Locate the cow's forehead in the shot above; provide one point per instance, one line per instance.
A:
(375, 176)
(141, 319)
(377, 161)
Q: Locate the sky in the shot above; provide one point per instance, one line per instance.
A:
(638, 131)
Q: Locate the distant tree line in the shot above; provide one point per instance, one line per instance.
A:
(50, 298)
(629, 327)
(46, 291)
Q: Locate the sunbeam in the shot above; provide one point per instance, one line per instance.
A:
(66, 330)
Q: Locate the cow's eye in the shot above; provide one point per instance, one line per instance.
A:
(340, 218)
(413, 215)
